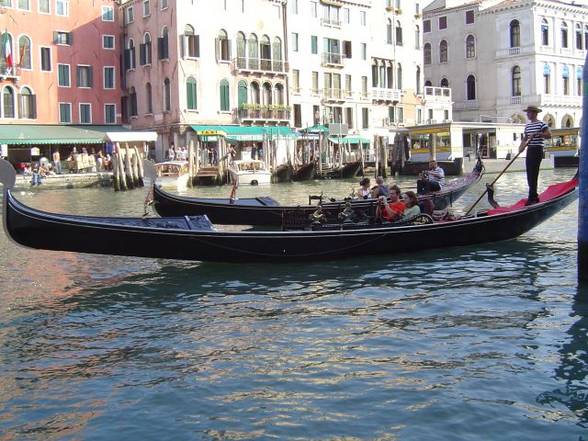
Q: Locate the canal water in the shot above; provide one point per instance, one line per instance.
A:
(471, 343)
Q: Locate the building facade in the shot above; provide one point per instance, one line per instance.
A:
(501, 56)
(60, 62)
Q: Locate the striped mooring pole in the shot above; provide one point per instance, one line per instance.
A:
(583, 175)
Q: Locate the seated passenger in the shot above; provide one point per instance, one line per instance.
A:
(412, 205)
(432, 179)
(380, 188)
(390, 211)
(364, 189)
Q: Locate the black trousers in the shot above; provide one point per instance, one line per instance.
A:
(426, 186)
(533, 162)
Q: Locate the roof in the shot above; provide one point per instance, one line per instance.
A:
(244, 133)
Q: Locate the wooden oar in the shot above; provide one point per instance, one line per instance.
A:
(521, 150)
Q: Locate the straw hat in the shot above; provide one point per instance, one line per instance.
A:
(532, 109)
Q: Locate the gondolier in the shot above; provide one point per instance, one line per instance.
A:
(535, 132)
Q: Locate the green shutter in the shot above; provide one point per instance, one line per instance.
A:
(242, 99)
(191, 94)
(224, 96)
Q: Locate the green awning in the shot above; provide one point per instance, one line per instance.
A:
(36, 134)
(317, 128)
(244, 133)
(350, 139)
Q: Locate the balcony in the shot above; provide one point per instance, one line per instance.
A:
(256, 112)
(467, 105)
(333, 95)
(438, 92)
(330, 22)
(382, 94)
(259, 65)
(332, 59)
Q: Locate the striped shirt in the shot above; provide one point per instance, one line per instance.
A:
(532, 128)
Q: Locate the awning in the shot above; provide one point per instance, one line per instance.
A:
(116, 133)
(317, 128)
(245, 133)
(350, 139)
(36, 134)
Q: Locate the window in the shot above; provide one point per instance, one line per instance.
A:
(62, 7)
(191, 97)
(346, 15)
(444, 82)
(129, 15)
(471, 88)
(427, 53)
(225, 101)
(8, 102)
(579, 83)
(109, 113)
(108, 42)
(163, 4)
(44, 6)
(85, 113)
(443, 51)
(579, 37)
(564, 34)
(469, 17)
(145, 56)
(314, 8)
(364, 87)
(46, 59)
(546, 78)
(313, 44)
(133, 102)
(297, 115)
(191, 43)
(163, 45)
(426, 26)
(24, 50)
(349, 117)
(166, 95)
(417, 37)
(418, 80)
(470, 46)
(27, 106)
(565, 73)
(294, 6)
(84, 76)
(363, 51)
(399, 76)
(443, 22)
(24, 4)
(7, 3)
(544, 32)
(315, 83)
(130, 55)
(296, 80)
(223, 46)
(515, 34)
(363, 18)
(109, 77)
(365, 118)
(516, 81)
(348, 85)
(347, 49)
(146, 8)
(107, 13)
(295, 41)
(148, 99)
(389, 31)
(62, 38)
(63, 75)
(242, 94)
(65, 113)
(398, 33)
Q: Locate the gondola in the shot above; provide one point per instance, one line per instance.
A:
(195, 238)
(305, 172)
(267, 211)
(347, 171)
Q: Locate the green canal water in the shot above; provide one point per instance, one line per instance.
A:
(473, 343)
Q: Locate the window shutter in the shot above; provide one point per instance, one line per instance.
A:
(142, 52)
(216, 44)
(90, 76)
(33, 104)
(127, 60)
(197, 45)
(229, 52)
(20, 105)
(70, 38)
(160, 54)
(183, 44)
(55, 37)
(78, 76)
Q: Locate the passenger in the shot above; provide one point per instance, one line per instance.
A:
(392, 210)
(380, 188)
(412, 205)
(364, 189)
(394, 189)
(432, 179)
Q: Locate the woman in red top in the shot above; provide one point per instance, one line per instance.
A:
(391, 211)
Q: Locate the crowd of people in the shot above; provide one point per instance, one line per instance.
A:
(177, 154)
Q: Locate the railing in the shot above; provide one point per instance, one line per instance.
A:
(264, 114)
(259, 64)
(331, 22)
(382, 94)
(439, 92)
(466, 105)
(333, 94)
(332, 58)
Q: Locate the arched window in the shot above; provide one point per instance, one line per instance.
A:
(223, 46)
(516, 81)
(564, 34)
(399, 76)
(389, 31)
(418, 80)
(579, 37)
(471, 88)
(163, 44)
(8, 102)
(267, 94)
(567, 122)
(389, 76)
(191, 94)
(428, 83)
(470, 46)
(398, 33)
(427, 53)
(549, 120)
(133, 102)
(565, 73)
(145, 55)
(546, 78)
(443, 51)
(191, 42)
(130, 55)
(241, 51)
(6, 63)
(417, 37)
(242, 94)
(278, 65)
(225, 101)
(444, 82)
(544, 32)
(24, 50)
(279, 95)
(253, 52)
(266, 53)
(27, 104)
(166, 95)
(255, 95)
(515, 34)
(148, 99)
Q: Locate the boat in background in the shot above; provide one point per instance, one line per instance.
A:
(172, 174)
(305, 172)
(250, 172)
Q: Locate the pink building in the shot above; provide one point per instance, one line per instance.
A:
(59, 62)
